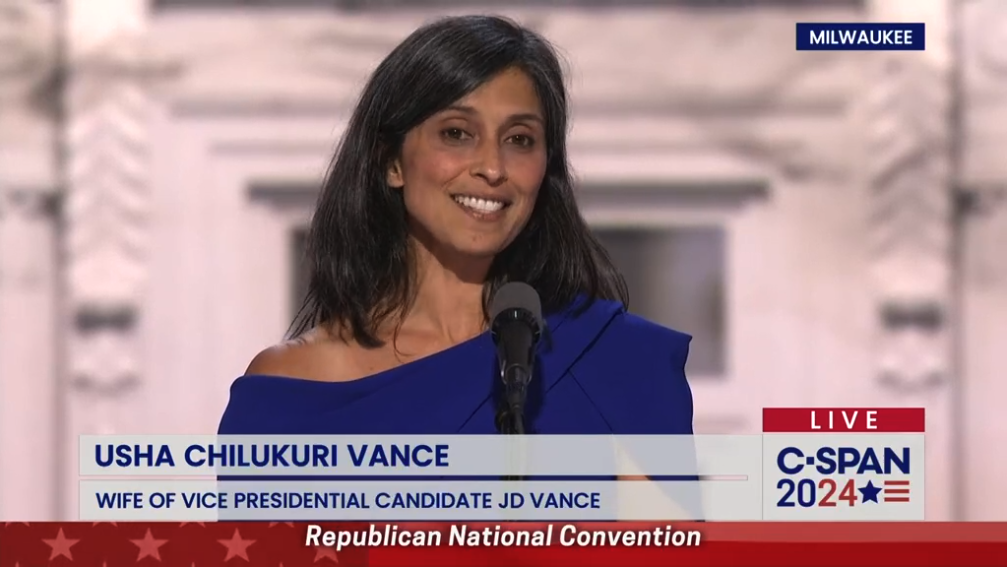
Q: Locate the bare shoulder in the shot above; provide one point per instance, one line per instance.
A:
(311, 356)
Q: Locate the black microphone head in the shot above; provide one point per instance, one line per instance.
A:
(517, 300)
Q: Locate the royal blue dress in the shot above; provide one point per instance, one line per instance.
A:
(599, 371)
(602, 371)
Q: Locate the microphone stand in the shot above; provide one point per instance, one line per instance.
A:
(515, 381)
(516, 332)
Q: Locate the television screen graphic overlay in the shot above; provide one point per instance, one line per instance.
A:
(207, 478)
(843, 464)
(830, 464)
(861, 36)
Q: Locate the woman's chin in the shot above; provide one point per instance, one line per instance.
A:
(482, 250)
(477, 253)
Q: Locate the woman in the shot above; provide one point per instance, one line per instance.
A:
(451, 180)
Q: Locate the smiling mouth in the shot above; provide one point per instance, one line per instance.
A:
(480, 205)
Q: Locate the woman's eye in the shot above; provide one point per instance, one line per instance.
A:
(454, 134)
(523, 140)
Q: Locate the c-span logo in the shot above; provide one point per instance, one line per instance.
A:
(861, 37)
(842, 464)
(867, 467)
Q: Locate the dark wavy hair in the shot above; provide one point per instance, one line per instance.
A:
(358, 249)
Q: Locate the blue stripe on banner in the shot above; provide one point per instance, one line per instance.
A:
(820, 36)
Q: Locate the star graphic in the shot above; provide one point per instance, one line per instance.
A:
(326, 553)
(870, 492)
(96, 523)
(291, 524)
(149, 546)
(5, 524)
(203, 524)
(60, 546)
(236, 547)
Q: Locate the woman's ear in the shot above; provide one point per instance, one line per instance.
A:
(394, 175)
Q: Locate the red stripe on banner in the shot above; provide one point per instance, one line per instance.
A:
(843, 420)
(764, 544)
(271, 544)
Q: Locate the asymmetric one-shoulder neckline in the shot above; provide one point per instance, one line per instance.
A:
(442, 356)
(448, 391)
(464, 348)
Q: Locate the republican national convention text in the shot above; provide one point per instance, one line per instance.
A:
(460, 535)
(273, 455)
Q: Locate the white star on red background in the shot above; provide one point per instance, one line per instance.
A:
(149, 547)
(236, 547)
(60, 546)
(130, 544)
(326, 553)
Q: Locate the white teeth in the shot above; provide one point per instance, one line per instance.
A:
(481, 205)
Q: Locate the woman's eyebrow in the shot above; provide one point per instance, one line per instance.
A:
(526, 116)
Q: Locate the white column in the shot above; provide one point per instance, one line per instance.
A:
(907, 103)
(28, 401)
(28, 406)
(106, 219)
(984, 277)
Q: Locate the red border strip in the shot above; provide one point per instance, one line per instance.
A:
(275, 544)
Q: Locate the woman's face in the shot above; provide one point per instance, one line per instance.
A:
(470, 174)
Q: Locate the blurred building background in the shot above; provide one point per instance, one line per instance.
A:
(829, 226)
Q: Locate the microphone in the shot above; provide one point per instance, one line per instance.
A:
(516, 312)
